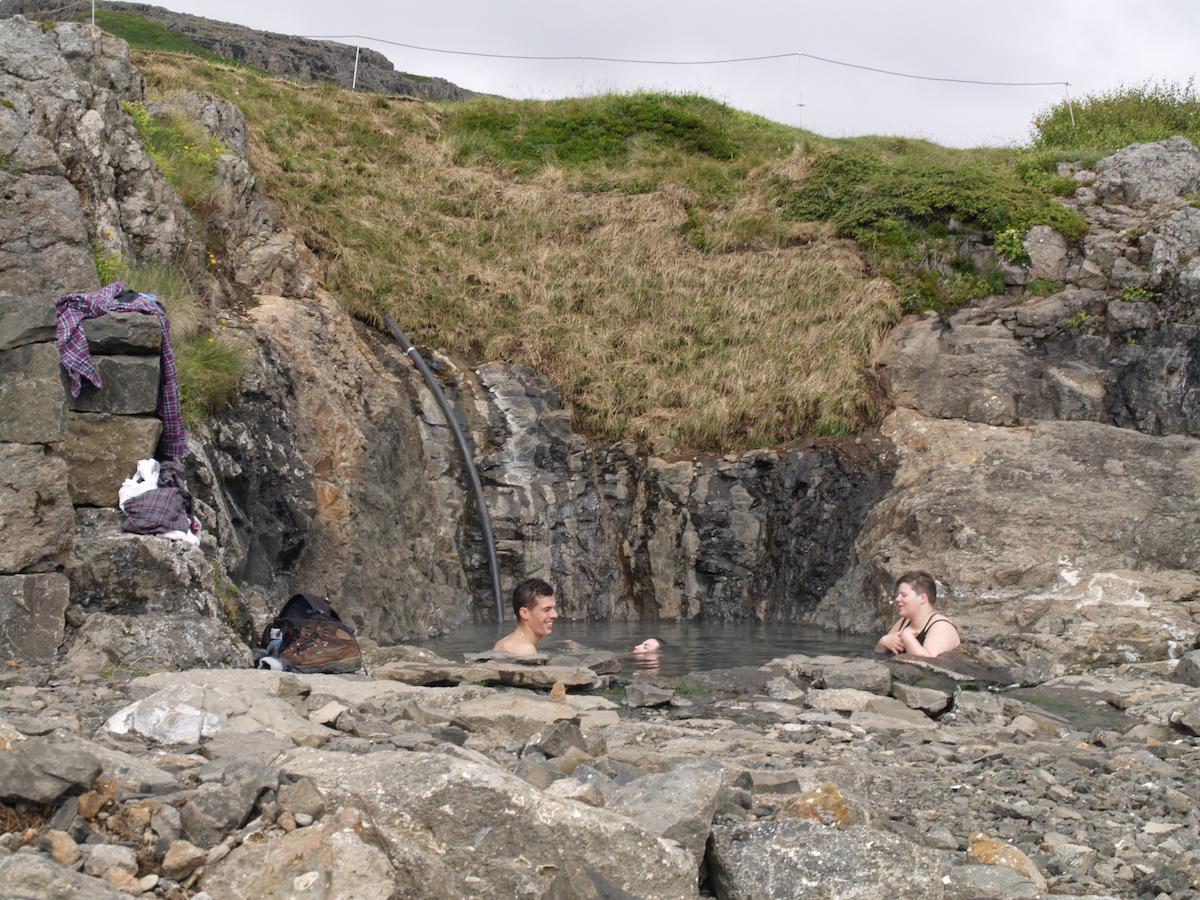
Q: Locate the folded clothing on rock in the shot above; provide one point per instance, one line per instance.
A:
(156, 501)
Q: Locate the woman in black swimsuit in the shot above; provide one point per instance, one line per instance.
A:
(920, 630)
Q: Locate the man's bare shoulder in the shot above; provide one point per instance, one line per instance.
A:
(516, 645)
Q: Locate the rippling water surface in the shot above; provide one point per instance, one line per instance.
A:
(690, 647)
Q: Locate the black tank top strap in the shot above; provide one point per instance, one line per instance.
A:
(933, 620)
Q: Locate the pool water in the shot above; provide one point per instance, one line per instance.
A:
(690, 646)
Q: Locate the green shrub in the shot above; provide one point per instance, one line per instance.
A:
(1136, 293)
(1010, 246)
(1079, 321)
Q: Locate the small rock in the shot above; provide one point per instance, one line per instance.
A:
(303, 820)
(1187, 671)
(556, 739)
(992, 852)
(103, 858)
(182, 858)
(825, 805)
(925, 699)
(558, 692)
(62, 847)
(327, 714)
(644, 694)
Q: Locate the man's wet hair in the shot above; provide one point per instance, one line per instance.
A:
(527, 593)
(921, 583)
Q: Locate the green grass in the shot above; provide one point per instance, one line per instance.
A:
(751, 341)
(1042, 287)
(184, 152)
(629, 142)
(210, 370)
(1106, 122)
(146, 34)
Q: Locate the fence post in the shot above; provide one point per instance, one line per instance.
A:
(354, 81)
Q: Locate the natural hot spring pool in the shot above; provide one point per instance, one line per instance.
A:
(691, 647)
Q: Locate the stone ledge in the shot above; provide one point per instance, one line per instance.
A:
(26, 320)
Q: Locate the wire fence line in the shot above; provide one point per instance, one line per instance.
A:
(678, 62)
(585, 58)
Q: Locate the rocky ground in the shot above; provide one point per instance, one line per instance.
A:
(808, 777)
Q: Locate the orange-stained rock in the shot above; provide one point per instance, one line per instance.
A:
(993, 852)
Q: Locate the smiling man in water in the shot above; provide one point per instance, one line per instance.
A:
(535, 608)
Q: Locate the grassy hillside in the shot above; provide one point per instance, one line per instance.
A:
(680, 269)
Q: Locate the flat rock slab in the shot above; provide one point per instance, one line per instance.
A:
(122, 333)
(103, 450)
(473, 830)
(493, 672)
(26, 320)
(804, 859)
(130, 386)
(33, 404)
(32, 609)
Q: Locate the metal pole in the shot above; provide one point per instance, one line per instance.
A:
(354, 81)
(1070, 105)
(468, 458)
(93, 13)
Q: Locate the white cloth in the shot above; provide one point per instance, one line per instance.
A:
(144, 479)
(191, 537)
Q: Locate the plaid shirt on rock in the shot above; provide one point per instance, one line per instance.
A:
(73, 309)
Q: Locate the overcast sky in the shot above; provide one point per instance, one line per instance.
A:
(1095, 45)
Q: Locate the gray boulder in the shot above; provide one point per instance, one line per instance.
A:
(102, 451)
(117, 572)
(33, 875)
(761, 860)
(124, 333)
(218, 809)
(335, 860)
(1187, 670)
(678, 804)
(421, 804)
(41, 770)
(640, 693)
(130, 386)
(976, 882)
(155, 642)
(1144, 174)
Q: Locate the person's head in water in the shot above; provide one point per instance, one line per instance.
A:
(535, 607)
(914, 591)
(650, 645)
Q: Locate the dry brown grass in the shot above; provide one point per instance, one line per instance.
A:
(661, 314)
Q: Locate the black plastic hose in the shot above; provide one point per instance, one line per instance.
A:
(468, 458)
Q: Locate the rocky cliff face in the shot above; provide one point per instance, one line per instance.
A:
(1048, 452)
(323, 62)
